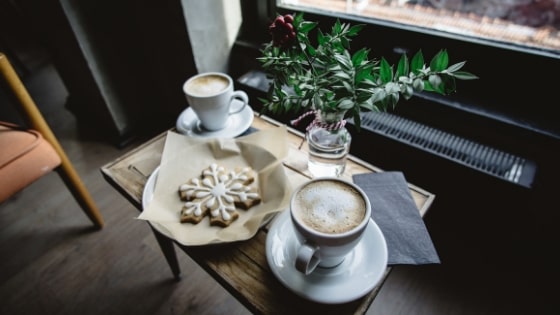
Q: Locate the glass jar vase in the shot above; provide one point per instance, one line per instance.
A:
(329, 144)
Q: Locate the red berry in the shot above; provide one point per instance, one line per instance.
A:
(282, 30)
(288, 18)
(289, 27)
(279, 19)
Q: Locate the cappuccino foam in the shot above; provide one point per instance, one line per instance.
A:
(208, 85)
(329, 206)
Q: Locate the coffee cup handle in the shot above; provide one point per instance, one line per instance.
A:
(238, 95)
(306, 260)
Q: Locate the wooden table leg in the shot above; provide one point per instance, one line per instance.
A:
(168, 250)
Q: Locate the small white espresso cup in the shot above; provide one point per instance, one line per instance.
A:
(211, 96)
(330, 216)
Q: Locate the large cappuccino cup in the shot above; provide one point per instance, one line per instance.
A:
(212, 98)
(330, 216)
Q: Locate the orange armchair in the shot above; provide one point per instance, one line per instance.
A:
(28, 154)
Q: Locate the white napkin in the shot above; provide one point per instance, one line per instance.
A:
(394, 211)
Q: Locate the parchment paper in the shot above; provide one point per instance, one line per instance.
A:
(184, 158)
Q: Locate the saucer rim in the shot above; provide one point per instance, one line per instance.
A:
(320, 296)
(231, 131)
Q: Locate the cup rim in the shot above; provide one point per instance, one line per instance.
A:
(215, 73)
(352, 231)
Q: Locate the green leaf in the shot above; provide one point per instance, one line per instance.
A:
(287, 105)
(343, 60)
(463, 75)
(359, 57)
(268, 63)
(362, 97)
(317, 100)
(357, 121)
(321, 39)
(436, 82)
(418, 85)
(402, 68)
(368, 84)
(448, 84)
(408, 92)
(417, 62)
(456, 67)
(298, 18)
(302, 45)
(385, 71)
(392, 88)
(337, 27)
(362, 74)
(367, 105)
(305, 27)
(311, 50)
(365, 92)
(379, 96)
(394, 99)
(344, 29)
(345, 43)
(342, 75)
(346, 103)
(354, 30)
(440, 61)
(428, 87)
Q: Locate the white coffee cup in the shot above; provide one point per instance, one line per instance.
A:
(330, 216)
(211, 97)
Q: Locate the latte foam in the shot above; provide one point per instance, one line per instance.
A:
(208, 85)
(329, 206)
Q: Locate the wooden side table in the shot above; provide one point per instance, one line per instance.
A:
(242, 267)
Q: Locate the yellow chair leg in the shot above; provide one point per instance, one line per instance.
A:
(66, 169)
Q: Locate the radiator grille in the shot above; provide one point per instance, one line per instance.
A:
(483, 158)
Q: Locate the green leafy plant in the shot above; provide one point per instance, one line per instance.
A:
(325, 76)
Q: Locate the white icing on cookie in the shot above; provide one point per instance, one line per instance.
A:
(217, 192)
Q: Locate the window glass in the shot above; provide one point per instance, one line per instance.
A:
(529, 24)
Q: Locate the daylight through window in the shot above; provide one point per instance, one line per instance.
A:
(529, 24)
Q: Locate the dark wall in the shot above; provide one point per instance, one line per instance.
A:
(123, 62)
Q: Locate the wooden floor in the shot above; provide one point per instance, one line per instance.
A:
(53, 262)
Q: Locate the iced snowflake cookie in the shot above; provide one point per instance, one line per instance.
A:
(218, 194)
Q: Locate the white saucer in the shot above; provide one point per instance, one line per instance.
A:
(148, 195)
(188, 124)
(358, 274)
